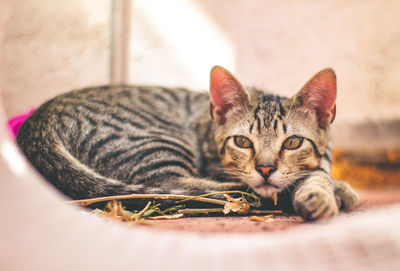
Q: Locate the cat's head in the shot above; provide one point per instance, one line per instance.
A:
(267, 141)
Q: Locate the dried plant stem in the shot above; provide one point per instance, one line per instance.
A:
(86, 202)
(275, 198)
(138, 215)
(217, 193)
(189, 212)
(165, 217)
(264, 212)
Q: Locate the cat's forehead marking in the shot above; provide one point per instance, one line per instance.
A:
(268, 116)
(267, 125)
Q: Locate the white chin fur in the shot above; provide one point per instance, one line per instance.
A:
(266, 191)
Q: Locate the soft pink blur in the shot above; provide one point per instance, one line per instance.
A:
(14, 123)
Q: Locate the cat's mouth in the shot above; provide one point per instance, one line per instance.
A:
(265, 188)
(267, 183)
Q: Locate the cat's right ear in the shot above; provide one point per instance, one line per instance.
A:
(226, 93)
(319, 95)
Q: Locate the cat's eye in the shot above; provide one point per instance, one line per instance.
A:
(292, 142)
(242, 142)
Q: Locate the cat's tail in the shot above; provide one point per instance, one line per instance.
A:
(49, 156)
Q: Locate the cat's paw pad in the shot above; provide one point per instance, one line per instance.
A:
(315, 204)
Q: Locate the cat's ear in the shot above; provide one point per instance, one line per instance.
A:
(226, 94)
(319, 95)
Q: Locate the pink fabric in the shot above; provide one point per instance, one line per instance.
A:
(15, 122)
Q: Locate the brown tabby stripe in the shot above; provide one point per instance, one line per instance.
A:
(314, 147)
(135, 113)
(281, 109)
(171, 94)
(159, 165)
(160, 98)
(187, 104)
(327, 157)
(321, 169)
(174, 136)
(107, 158)
(251, 127)
(150, 117)
(222, 149)
(124, 120)
(284, 128)
(145, 101)
(91, 121)
(159, 140)
(258, 125)
(92, 101)
(111, 125)
(86, 140)
(328, 154)
(137, 157)
(96, 147)
(140, 155)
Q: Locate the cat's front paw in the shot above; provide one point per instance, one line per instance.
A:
(347, 198)
(313, 204)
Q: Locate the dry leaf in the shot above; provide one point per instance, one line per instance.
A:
(239, 205)
(115, 210)
(267, 218)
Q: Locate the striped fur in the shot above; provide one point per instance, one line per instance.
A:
(129, 139)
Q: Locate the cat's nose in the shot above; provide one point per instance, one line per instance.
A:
(265, 170)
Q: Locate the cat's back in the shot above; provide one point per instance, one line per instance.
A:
(116, 129)
(144, 107)
(169, 102)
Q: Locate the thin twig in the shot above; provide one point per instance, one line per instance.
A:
(138, 215)
(221, 192)
(220, 211)
(165, 217)
(200, 211)
(264, 212)
(86, 202)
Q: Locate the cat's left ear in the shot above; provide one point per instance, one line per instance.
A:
(319, 95)
(226, 93)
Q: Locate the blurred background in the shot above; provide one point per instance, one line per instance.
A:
(50, 47)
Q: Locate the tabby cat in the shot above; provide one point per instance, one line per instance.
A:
(128, 139)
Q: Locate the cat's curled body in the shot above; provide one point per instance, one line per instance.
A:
(124, 139)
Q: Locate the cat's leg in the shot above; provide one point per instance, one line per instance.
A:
(196, 186)
(346, 197)
(315, 197)
(210, 185)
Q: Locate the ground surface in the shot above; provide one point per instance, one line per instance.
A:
(375, 175)
(369, 200)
